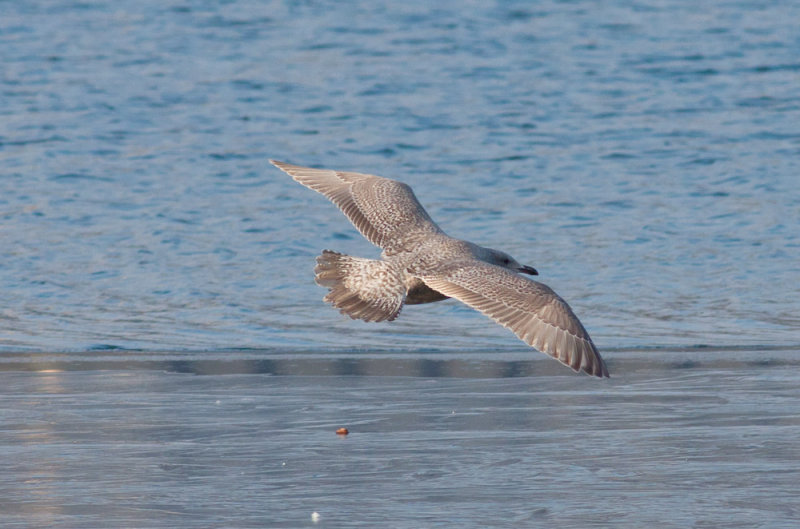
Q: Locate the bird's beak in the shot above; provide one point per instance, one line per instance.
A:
(528, 270)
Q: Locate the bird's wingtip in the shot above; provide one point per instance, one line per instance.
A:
(599, 373)
(603, 373)
(283, 166)
(597, 369)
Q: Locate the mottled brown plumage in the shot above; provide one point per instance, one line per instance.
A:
(422, 264)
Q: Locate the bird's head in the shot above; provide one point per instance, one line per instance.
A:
(503, 260)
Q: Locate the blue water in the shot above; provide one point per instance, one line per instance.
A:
(643, 156)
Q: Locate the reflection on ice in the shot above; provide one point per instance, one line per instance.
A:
(248, 439)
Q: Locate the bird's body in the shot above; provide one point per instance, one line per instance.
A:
(422, 264)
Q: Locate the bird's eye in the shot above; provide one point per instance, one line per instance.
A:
(506, 261)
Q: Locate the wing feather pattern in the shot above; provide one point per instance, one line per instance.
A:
(385, 211)
(536, 314)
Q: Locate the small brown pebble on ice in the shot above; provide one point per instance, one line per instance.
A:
(342, 431)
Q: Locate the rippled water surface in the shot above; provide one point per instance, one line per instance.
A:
(643, 156)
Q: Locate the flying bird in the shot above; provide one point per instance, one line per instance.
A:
(420, 263)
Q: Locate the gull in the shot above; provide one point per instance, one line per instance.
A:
(420, 263)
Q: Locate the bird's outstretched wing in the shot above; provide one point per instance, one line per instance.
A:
(536, 314)
(385, 211)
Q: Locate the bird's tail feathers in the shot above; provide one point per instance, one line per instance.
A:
(364, 289)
